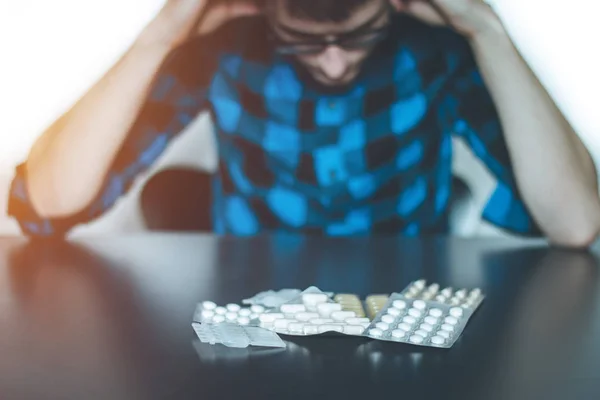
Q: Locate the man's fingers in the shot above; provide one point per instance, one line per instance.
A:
(222, 12)
(425, 12)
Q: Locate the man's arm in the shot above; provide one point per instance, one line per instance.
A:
(89, 157)
(554, 172)
(555, 175)
(68, 163)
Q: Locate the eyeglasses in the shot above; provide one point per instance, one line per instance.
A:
(352, 41)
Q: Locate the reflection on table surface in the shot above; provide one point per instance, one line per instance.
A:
(112, 317)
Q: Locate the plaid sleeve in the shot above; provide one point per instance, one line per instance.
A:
(468, 111)
(177, 95)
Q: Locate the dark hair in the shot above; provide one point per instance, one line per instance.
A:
(324, 10)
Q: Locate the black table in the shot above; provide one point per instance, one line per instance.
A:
(109, 318)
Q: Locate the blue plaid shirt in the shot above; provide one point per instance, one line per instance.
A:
(373, 159)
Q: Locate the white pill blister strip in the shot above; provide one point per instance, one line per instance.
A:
(422, 322)
(313, 313)
(419, 290)
(272, 298)
(209, 312)
(236, 336)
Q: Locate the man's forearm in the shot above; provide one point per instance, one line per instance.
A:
(67, 165)
(554, 171)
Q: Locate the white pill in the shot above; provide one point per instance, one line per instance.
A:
(454, 301)
(253, 316)
(456, 312)
(421, 332)
(427, 296)
(433, 288)
(447, 292)
(270, 317)
(420, 284)
(283, 323)
(376, 332)
(306, 316)
(388, 319)
(207, 314)
(312, 299)
(218, 319)
(399, 304)
(471, 302)
(243, 320)
(296, 327)
(353, 330)
(326, 309)
(321, 321)
(342, 315)
(231, 316)
(431, 320)
(398, 333)
(444, 334)
(419, 304)
(451, 320)
(330, 328)
(310, 329)
(435, 312)
(410, 295)
(221, 310)
(209, 305)
(244, 312)
(438, 340)
(357, 321)
(461, 294)
(417, 339)
(394, 311)
(413, 312)
(409, 319)
(440, 299)
(447, 328)
(405, 327)
(413, 291)
(382, 325)
(233, 307)
(426, 327)
(292, 308)
(257, 309)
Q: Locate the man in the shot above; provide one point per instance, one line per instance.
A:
(332, 117)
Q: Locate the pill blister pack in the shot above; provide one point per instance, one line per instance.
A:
(313, 313)
(375, 304)
(272, 298)
(209, 312)
(419, 290)
(275, 298)
(423, 322)
(236, 336)
(350, 302)
(421, 315)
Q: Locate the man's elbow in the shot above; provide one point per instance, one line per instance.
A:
(579, 236)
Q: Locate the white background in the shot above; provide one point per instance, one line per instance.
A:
(51, 51)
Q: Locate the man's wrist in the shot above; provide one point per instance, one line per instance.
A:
(490, 35)
(158, 34)
(486, 24)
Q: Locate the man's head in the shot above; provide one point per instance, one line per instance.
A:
(330, 38)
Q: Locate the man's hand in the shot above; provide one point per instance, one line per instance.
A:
(468, 17)
(178, 20)
(546, 154)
